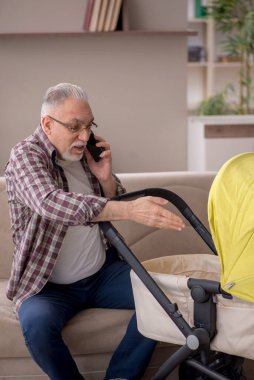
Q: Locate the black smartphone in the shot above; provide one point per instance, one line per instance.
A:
(93, 149)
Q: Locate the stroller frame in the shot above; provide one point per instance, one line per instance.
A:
(198, 338)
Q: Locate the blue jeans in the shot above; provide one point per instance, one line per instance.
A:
(43, 316)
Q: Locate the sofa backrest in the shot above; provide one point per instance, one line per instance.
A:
(145, 242)
(193, 188)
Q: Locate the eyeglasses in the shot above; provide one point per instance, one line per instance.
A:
(77, 127)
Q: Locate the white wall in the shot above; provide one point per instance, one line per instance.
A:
(136, 84)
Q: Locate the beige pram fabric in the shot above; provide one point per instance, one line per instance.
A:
(235, 317)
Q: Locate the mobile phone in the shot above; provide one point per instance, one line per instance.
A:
(93, 149)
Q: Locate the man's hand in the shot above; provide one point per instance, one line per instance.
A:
(103, 168)
(149, 211)
(145, 210)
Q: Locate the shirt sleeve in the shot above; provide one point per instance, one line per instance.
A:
(120, 189)
(33, 184)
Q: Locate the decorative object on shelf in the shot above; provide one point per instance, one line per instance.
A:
(226, 58)
(235, 18)
(196, 54)
(200, 8)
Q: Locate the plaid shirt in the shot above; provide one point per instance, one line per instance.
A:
(41, 209)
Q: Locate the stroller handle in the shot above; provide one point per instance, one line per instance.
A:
(179, 203)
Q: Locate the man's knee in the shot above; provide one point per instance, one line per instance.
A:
(38, 324)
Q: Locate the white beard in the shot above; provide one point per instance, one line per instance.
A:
(71, 157)
(68, 156)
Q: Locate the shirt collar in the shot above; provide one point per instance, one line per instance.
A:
(43, 140)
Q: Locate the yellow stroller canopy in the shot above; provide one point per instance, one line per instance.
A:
(231, 219)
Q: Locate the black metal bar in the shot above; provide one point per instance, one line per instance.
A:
(210, 286)
(170, 364)
(203, 369)
(180, 204)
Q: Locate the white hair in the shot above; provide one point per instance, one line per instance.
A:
(56, 95)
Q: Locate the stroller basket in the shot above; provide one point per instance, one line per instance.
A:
(234, 320)
(179, 300)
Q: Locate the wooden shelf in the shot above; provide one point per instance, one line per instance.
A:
(226, 65)
(199, 20)
(197, 64)
(187, 32)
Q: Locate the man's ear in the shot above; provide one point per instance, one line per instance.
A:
(46, 125)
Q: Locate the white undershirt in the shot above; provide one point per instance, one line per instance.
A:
(82, 253)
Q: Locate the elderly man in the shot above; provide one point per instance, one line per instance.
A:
(62, 264)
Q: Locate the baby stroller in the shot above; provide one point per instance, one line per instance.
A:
(204, 303)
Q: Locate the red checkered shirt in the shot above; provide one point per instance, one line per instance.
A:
(41, 209)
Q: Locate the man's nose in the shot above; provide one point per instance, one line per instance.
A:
(84, 135)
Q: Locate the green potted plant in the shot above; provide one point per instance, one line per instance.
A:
(218, 104)
(235, 19)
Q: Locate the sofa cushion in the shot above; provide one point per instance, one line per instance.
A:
(11, 342)
(108, 326)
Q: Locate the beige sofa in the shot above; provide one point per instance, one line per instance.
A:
(93, 334)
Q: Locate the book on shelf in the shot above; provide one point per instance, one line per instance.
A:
(95, 16)
(103, 14)
(115, 16)
(109, 15)
(88, 15)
